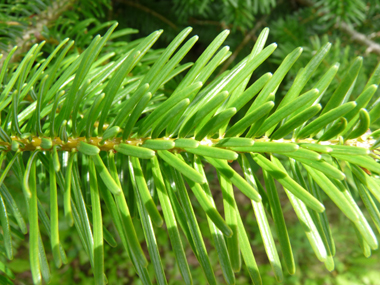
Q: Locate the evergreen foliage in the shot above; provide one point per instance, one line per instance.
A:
(95, 123)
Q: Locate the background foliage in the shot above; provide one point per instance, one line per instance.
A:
(292, 24)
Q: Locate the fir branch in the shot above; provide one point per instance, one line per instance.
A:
(162, 141)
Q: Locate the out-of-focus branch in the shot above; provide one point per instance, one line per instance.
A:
(10, 23)
(359, 38)
(41, 20)
(354, 35)
(374, 35)
(221, 24)
(150, 11)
